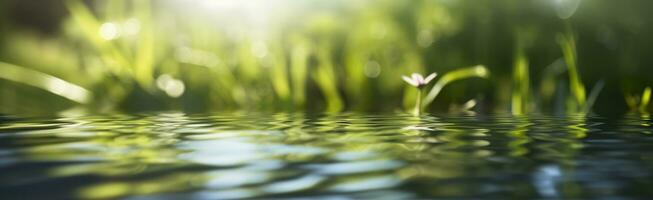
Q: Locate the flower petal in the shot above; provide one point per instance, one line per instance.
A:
(430, 78)
(409, 80)
(418, 78)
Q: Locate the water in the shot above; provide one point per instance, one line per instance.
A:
(224, 156)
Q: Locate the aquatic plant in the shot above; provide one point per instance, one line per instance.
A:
(646, 99)
(129, 56)
(568, 46)
(478, 71)
(520, 103)
(418, 81)
(639, 103)
(580, 101)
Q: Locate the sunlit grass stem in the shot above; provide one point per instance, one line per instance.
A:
(568, 46)
(325, 77)
(90, 25)
(521, 82)
(418, 104)
(279, 74)
(646, 99)
(298, 71)
(459, 74)
(46, 82)
(144, 61)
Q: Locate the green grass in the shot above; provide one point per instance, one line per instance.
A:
(315, 62)
(325, 77)
(45, 82)
(521, 82)
(478, 71)
(576, 87)
(646, 99)
(639, 103)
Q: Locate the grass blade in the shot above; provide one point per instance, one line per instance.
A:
(44, 81)
(279, 73)
(596, 90)
(521, 82)
(298, 71)
(568, 46)
(646, 99)
(144, 63)
(470, 72)
(90, 26)
(326, 79)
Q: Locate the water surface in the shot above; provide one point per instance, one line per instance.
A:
(344, 156)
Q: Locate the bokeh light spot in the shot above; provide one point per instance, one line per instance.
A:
(109, 31)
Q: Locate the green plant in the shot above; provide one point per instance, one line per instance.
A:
(580, 103)
(521, 82)
(639, 103)
(646, 99)
(45, 82)
(194, 58)
(418, 81)
(478, 71)
(568, 46)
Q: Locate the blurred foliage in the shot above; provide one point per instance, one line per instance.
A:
(317, 55)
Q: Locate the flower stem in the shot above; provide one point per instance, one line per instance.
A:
(418, 104)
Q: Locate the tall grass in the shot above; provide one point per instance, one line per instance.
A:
(646, 99)
(340, 56)
(144, 59)
(568, 45)
(639, 103)
(298, 69)
(521, 81)
(479, 71)
(108, 51)
(45, 82)
(326, 79)
(580, 102)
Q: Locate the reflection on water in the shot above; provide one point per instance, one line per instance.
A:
(223, 156)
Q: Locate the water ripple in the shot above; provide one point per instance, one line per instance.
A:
(330, 156)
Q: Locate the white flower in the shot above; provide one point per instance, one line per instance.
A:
(418, 80)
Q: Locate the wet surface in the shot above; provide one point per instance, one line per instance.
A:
(224, 156)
